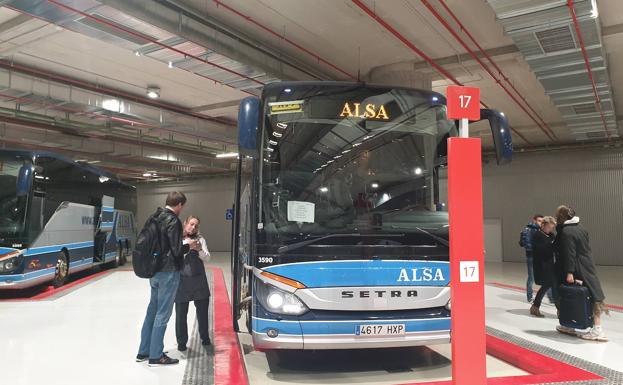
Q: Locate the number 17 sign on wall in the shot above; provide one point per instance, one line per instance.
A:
(463, 102)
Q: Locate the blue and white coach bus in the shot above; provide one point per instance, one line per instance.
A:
(58, 217)
(341, 232)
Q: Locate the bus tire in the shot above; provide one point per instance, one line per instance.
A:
(61, 273)
(118, 257)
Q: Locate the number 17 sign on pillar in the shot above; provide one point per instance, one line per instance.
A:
(466, 242)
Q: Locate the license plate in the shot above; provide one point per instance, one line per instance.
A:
(380, 330)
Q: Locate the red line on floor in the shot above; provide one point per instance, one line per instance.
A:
(50, 290)
(228, 363)
(523, 289)
(542, 369)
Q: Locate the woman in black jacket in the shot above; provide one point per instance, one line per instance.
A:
(193, 286)
(577, 265)
(543, 254)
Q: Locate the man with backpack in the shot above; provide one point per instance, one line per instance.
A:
(159, 256)
(525, 241)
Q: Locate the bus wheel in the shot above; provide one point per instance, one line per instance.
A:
(62, 270)
(118, 258)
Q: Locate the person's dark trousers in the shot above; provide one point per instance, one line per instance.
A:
(181, 320)
(530, 281)
(540, 294)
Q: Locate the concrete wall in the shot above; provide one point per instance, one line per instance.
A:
(591, 181)
(207, 198)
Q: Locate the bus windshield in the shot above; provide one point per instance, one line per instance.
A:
(352, 166)
(13, 194)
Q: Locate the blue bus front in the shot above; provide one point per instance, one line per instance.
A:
(343, 231)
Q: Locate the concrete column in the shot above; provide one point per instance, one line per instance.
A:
(402, 74)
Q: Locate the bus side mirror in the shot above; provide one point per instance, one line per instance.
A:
(248, 121)
(502, 139)
(24, 180)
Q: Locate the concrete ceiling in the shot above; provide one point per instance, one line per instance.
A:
(61, 60)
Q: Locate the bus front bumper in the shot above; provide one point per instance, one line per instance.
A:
(312, 342)
(22, 281)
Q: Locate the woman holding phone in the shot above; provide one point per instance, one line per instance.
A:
(193, 286)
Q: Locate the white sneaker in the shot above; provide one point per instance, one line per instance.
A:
(594, 335)
(566, 330)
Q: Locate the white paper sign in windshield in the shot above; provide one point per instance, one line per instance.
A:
(301, 211)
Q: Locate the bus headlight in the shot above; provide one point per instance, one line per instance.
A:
(9, 264)
(278, 301)
(448, 305)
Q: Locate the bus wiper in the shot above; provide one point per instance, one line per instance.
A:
(439, 239)
(435, 237)
(306, 242)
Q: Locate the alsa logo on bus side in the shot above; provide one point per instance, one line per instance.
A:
(86, 220)
(367, 111)
(424, 274)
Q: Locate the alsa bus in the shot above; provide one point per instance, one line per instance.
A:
(58, 217)
(341, 230)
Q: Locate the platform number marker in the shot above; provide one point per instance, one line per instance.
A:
(469, 271)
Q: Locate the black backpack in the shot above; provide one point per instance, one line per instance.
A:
(146, 256)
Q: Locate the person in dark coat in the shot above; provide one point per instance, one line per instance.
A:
(193, 286)
(543, 254)
(525, 241)
(577, 266)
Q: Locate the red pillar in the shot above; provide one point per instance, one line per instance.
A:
(466, 261)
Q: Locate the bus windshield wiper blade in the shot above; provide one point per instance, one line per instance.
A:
(306, 242)
(435, 237)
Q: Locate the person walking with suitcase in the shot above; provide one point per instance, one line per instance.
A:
(525, 241)
(578, 268)
(193, 287)
(543, 263)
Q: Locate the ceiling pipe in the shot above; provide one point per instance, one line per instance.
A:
(421, 54)
(42, 74)
(589, 70)
(158, 43)
(126, 121)
(112, 138)
(282, 37)
(544, 127)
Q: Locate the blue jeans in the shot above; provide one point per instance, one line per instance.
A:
(530, 281)
(163, 289)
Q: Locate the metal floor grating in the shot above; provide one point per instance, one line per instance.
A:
(611, 377)
(200, 366)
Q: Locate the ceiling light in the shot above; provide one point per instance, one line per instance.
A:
(103, 179)
(153, 92)
(345, 151)
(375, 185)
(277, 134)
(594, 11)
(324, 189)
(356, 144)
(273, 142)
(282, 125)
(418, 171)
(288, 90)
(170, 64)
(147, 174)
(227, 155)
(137, 53)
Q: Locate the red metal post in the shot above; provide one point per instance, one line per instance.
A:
(466, 262)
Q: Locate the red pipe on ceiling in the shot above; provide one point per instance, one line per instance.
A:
(498, 69)
(156, 42)
(291, 42)
(412, 46)
(456, 36)
(589, 69)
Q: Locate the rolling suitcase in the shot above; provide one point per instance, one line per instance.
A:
(576, 307)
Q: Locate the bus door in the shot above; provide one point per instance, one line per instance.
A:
(104, 227)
